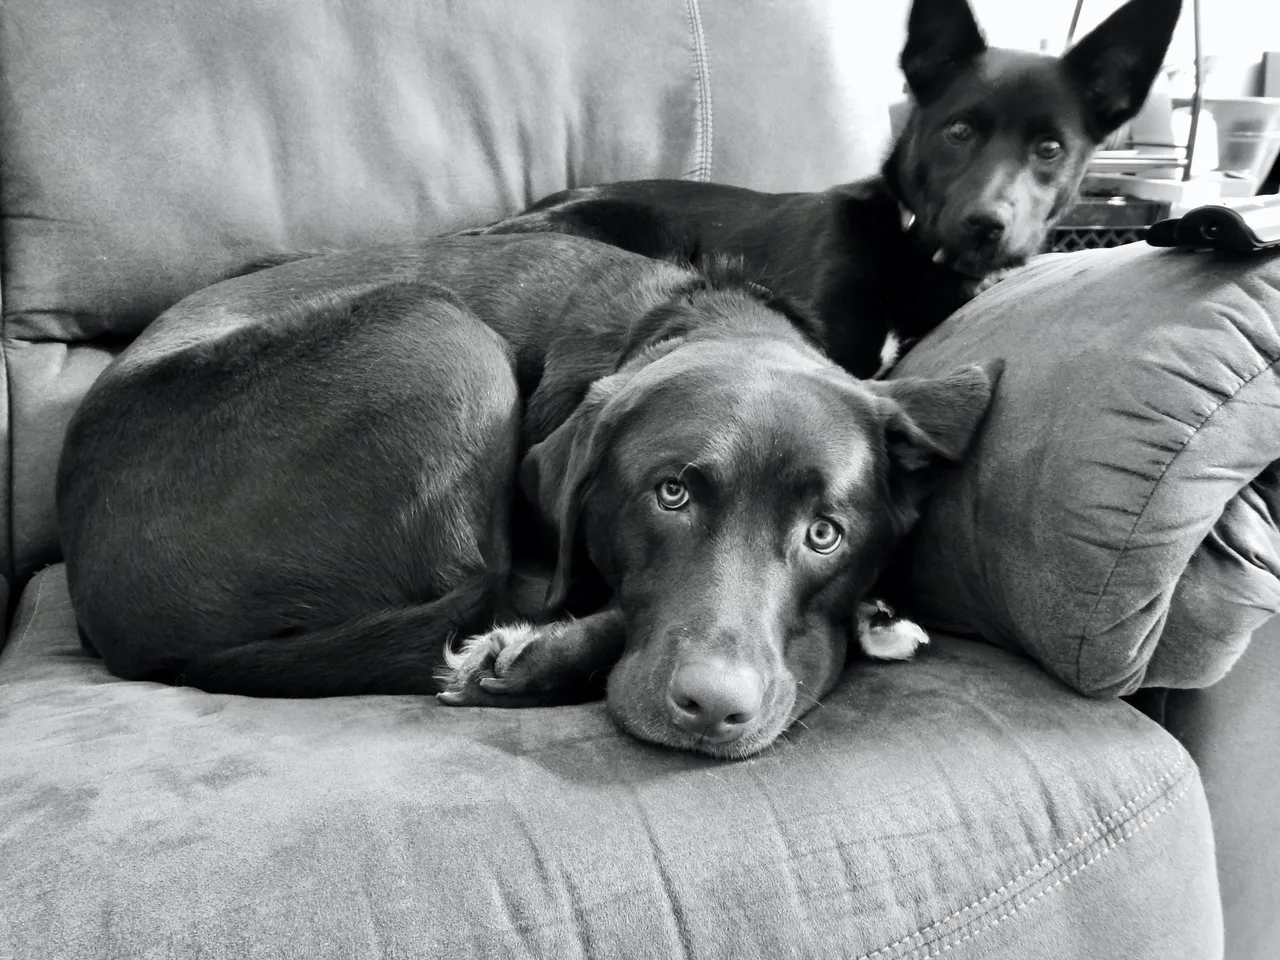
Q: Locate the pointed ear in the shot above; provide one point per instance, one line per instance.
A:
(556, 472)
(935, 420)
(942, 37)
(1115, 65)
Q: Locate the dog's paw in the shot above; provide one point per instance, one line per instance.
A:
(883, 635)
(990, 280)
(498, 669)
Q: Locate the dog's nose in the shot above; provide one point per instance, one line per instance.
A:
(715, 699)
(984, 227)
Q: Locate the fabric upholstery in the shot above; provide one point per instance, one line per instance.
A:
(5, 473)
(1232, 730)
(148, 147)
(1117, 520)
(966, 804)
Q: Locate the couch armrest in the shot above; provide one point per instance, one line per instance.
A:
(1232, 730)
(1117, 517)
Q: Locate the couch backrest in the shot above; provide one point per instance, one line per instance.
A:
(147, 146)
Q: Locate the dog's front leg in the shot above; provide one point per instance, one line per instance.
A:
(527, 665)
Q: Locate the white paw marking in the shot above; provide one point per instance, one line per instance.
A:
(897, 640)
(483, 652)
(890, 351)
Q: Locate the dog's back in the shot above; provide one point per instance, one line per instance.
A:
(191, 472)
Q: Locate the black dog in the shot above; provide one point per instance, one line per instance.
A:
(302, 482)
(993, 151)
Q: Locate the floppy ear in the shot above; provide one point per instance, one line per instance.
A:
(934, 420)
(1115, 65)
(942, 37)
(555, 474)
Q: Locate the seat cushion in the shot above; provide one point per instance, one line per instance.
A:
(965, 803)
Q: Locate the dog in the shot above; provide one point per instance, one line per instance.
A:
(992, 153)
(312, 479)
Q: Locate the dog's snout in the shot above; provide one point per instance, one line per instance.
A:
(715, 699)
(984, 226)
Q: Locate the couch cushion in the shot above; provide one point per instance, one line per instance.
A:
(1117, 518)
(147, 147)
(965, 803)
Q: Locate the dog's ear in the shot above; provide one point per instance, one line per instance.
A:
(942, 38)
(934, 420)
(1115, 65)
(556, 472)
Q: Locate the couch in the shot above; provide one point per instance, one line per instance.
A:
(1040, 782)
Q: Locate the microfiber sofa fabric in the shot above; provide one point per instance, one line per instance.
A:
(1117, 518)
(966, 805)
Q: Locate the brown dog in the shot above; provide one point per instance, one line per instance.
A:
(302, 482)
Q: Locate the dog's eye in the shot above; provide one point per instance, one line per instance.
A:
(672, 494)
(1048, 149)
(823, 536)
(959, 132)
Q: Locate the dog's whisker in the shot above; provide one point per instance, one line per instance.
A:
(814, 702)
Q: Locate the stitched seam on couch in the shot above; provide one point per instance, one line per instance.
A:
(35, 612)
(1102, 848)
(7, 565)
(6, 424)
(1137, 521)
(702, 70)
(1064, 863)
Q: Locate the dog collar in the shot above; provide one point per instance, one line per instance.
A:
(907, 217)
